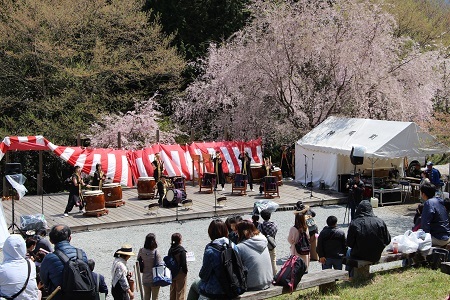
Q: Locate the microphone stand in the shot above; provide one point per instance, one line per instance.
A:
(215, 196)
(306, 171)
(311, 187)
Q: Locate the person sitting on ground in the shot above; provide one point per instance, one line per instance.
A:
(52, 266)
(434, 175)
(424, 177)
(42, 242)
(367, 235)
(255, 256)
(331, 245)
(231, 226)
(418, 217)
(269, 228)
(209, 285)
(30, 244)
(14, 270)
(99, 279)
(255, 220)
(434, 216)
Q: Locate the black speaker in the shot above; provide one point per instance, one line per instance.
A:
(13, 168)
(357, 155)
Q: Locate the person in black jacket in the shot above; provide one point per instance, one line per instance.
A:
(367, 235)
(356, 189)
(178, 286)
(331, 245)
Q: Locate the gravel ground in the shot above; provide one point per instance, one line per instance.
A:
(100, 245)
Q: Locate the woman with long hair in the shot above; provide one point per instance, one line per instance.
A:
(255, 256)
(149, 257)
(178, 286)
(209, 284)
(296, 231)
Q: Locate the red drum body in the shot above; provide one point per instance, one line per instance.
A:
(258, 172)
(146, 187)
(278, 174)
(95, 203)
(113, 193)
(367, 193)
(208, 179)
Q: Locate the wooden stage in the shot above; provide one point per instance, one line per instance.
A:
(134, 212)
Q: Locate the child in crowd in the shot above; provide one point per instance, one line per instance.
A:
(98, 278)
(231, 226)
(331, 245)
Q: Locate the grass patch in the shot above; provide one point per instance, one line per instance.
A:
(412, 283)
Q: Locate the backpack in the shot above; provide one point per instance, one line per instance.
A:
(233, 274)
(271, 243)
(302, 246)
(172, 264)
(78, 282)
(290, 273)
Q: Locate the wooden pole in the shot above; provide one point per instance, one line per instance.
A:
(119, 140)
(157, 135)
(79, 140)
(40, 177)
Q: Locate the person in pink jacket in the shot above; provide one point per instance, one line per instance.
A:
(295, 231)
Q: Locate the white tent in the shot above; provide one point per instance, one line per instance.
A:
(325, 151)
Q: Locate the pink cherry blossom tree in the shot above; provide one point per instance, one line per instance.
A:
(138, 127)
(299, 62)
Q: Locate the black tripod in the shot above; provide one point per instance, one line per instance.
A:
(13, 221)
(347, 214)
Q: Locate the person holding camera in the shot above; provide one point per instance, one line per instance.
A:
(356, 188)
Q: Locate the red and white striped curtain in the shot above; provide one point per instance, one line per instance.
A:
(122, 165)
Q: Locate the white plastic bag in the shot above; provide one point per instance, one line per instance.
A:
(261, 205)
(407, 243)
(423, 240)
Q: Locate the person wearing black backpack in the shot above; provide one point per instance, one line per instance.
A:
(178, 286)
(299, 235)
(52, 267)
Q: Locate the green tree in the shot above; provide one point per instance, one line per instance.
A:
(67, 62)
(425, 21)
(198, 23)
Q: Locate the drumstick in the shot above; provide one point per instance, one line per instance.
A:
(58, 288)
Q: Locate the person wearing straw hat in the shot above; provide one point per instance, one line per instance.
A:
(121, 289)
(299, 228)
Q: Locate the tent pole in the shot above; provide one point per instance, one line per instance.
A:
(373, 180)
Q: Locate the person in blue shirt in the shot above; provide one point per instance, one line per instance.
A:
(433, 174)
(434, 216)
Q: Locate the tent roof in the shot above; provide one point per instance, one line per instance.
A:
(384, 139)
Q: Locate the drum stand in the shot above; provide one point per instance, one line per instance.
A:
(215, 197)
